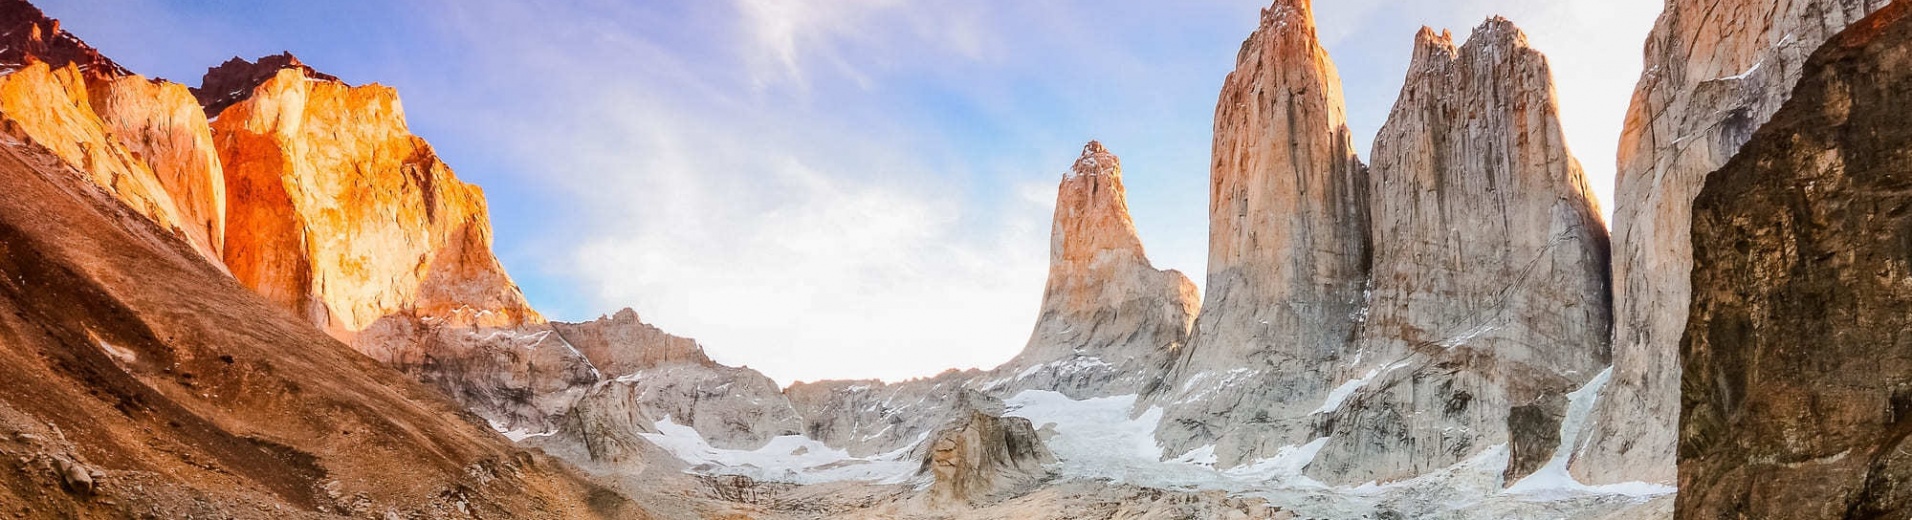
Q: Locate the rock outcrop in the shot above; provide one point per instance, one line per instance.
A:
(730, 407)
(1490, 291)
(143, 140)
(1798, 355)
(160, 124)
(871, 417)
(1109, 319)
(650, 376)
(1288, 251)
(339, 214)
(983, 455)
(622, 344)
(141, 382)
(52, 107)
(1715, 71)
(236, 79)
(28, 36)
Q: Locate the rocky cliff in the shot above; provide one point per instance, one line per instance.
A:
(622, 344)
(339, 214)
(143, 140)
(651, 377)
(1715, 71)
(160, 124)
(142, 382)
(235, 80)
(1798, 380)
(1109, 319)
(873, 417)
(1488, 297)
(27, 35)
(1288, 251)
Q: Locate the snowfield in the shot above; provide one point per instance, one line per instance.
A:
(1098, 439)
(1107, 439)
(791, 458)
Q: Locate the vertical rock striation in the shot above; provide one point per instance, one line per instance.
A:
(1797, 394)
(1489, 297)
(1288, 251)
(1715, 71)
(1109, 318)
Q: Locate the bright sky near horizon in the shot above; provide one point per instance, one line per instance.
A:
(834, 188)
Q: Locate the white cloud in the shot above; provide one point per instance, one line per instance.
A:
(791, 39)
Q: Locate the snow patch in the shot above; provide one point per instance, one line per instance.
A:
(1097, 438)
(791, 458)
(1470, 335)
(1743, 75)
(517, 435)
(1340, 394)
(1552, 481)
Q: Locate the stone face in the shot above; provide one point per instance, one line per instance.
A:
(731, 407)
(1109, 319)
(622, 344)
(982, 455)
(138, 365)
(1288, 251)
(1798, 354)
(1715, 71)
(871, 417)
(159, 123)
(142, 140)
(125, 134)
(235, 80)
(339, 214)
(1489, 291)
(27, 35)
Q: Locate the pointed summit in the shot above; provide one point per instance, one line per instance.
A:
(1488, 246)
(1287, 251)
(1096, 160)
(234, 80)
(1109, 317)
(27, 35)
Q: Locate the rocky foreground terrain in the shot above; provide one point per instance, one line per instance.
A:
(265, 297)
(1802, 275)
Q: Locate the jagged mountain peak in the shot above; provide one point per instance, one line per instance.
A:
(1287, 29)
(1283, 11)
(1495, 35)
(1430, 38)
(234, 80)
(27, 35)
(1095, 160)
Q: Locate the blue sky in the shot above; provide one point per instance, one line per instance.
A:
(833, 188)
